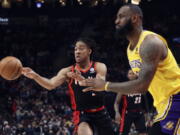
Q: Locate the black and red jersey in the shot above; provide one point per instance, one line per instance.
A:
(132, 112)
(85, 100)
(133, 102)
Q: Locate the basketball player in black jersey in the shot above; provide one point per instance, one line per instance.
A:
(90, 115)
(132, 110)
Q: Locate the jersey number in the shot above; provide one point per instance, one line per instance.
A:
(137, 100)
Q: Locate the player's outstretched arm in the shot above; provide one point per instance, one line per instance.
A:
(49, 84)
(152, 51)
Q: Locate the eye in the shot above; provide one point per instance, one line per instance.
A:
(81, 48)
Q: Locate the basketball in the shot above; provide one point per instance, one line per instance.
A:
(10, 68)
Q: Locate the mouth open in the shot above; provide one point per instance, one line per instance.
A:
(78, 57)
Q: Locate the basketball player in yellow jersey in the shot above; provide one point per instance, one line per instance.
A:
(156, 67)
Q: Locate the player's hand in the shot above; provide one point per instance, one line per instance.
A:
(117, 117)
(94, 84)
(75, 75)
(29, 73)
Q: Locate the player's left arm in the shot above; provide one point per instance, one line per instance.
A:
(101, 70)
(152, 51)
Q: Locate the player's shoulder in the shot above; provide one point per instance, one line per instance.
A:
(66, 69)
(152, 45)
(100, 65)
(153, 40)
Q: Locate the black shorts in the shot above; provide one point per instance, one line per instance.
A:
(156, 129)
(132, 117)
(100, 122)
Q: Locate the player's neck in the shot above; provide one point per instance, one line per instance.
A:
(84, 65)
(134, 36)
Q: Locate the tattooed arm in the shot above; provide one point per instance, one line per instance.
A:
(152, 51)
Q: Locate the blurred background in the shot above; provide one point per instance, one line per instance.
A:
(41, 33)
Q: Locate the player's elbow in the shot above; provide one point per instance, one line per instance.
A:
(50, 87)
(142, 91)
(143, 87)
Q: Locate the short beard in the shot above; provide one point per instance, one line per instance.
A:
(125, 30)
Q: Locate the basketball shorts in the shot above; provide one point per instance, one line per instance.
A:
(99, 121)
(170, 125)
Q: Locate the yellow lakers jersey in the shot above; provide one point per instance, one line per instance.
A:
(166, 81)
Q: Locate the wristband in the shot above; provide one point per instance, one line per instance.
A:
(106, 86)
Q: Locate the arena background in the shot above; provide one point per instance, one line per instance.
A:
(41, 33)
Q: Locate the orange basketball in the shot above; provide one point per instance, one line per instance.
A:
(10, 68)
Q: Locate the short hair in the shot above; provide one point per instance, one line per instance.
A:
(135, 9)
(88, 41)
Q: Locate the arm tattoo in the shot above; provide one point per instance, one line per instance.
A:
(150, 52)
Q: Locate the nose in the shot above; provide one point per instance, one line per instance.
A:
(116, 21)
(77, 51)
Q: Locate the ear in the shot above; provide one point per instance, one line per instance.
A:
(134, 18)
(90, 51)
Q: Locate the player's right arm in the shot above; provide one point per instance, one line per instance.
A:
(116, 108)
(49, 84)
